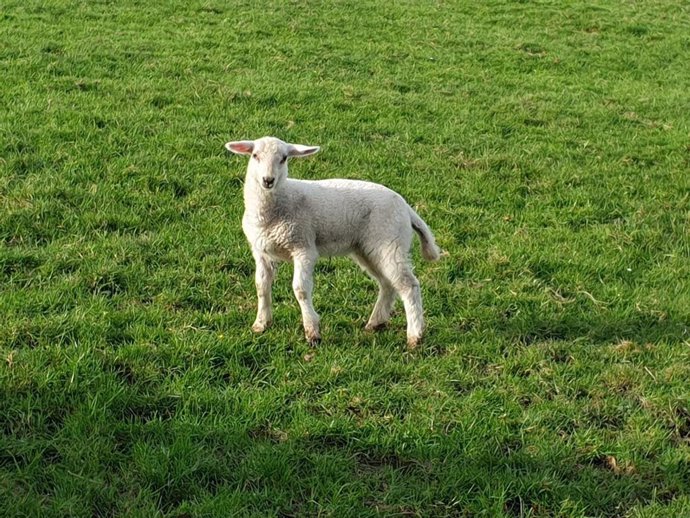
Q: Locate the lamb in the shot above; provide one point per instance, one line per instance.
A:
(300, 220)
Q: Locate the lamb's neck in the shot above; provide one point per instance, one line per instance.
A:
(260, 203)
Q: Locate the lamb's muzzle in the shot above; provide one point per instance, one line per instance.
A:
(301, 220)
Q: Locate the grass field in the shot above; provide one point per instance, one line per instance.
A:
(547, 144)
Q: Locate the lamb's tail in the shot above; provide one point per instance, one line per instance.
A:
(430, 251)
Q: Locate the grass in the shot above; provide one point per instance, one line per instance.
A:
(545, 143)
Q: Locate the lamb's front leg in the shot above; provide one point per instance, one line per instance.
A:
(265, 272)
(302, 285)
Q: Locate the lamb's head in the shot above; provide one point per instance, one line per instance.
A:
(268, 159)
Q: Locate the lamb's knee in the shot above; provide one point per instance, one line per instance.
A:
(301, 292)
(262, 278)
(406, 282)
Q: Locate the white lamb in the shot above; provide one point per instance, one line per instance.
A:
(300, 220)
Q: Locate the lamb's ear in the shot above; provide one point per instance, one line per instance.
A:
(241, 147)
(300, 150)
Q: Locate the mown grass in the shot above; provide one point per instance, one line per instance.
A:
(546, 143)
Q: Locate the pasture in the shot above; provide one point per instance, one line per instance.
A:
(546, 144)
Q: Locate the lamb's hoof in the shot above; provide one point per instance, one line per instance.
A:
(413, 342)
(375, 327)
(314, 338)
(260, 327)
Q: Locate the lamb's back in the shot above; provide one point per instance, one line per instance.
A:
(340, 211)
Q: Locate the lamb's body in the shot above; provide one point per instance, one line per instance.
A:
(300, 220)
(337, 217)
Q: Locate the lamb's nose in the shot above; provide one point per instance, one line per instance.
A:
(268, 182)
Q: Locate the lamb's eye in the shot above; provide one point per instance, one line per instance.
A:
(255, 156)
(282, 160)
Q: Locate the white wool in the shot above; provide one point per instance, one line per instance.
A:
(299, 220)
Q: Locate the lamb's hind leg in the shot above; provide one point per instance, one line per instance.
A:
(399, 273)
(386, 297)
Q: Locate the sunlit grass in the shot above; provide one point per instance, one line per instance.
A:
(545, 144)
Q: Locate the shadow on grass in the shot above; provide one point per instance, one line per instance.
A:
(522, 481)
(639, 327)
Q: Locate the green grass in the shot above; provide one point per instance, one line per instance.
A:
(545, 143)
